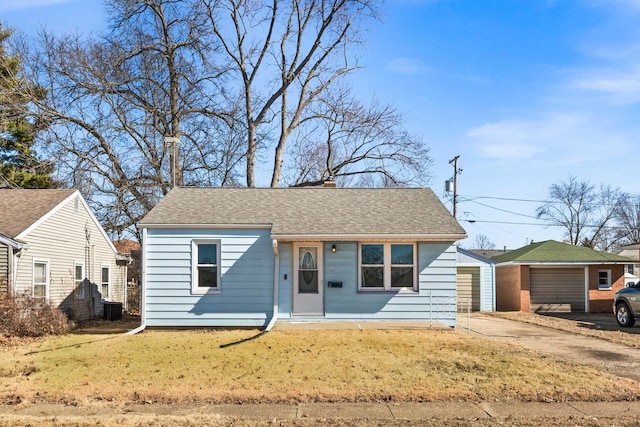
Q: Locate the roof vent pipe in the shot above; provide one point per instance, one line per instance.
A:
(330, 182)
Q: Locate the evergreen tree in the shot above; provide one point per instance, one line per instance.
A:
(19, 163)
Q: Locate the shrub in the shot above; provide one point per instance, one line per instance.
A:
(26, 316)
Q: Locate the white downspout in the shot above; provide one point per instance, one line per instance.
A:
(143, 285)
(123, 278)
(13, 270)
(276, 277)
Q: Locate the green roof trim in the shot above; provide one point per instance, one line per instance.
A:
(551, 251)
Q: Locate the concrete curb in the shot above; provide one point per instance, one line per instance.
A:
(347, 411)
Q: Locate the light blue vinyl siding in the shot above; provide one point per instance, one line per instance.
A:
(246, 298)
(247, 269)
(435, 299)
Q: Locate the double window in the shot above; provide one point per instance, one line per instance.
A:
(205, 266)
(41, 279)
(387, 266)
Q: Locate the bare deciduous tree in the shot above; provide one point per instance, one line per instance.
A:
(113, 101)
(628, 221)
(586, 213)
(286, 55)
(482, 241)
(355, 144)
(197, 92)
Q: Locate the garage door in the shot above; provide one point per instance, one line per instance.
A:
(468, 288)
(557, 286)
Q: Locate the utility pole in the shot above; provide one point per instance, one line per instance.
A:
(456, 171)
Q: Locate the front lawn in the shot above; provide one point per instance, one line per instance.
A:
(294, 366)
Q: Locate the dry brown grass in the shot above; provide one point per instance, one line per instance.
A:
(294, 366)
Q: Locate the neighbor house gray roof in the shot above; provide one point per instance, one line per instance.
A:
(19, 209)
(310, 212)
(553, 252)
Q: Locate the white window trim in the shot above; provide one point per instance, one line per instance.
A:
(108, 266)
(195, 289)
(608, 285)
(46, 277)
(75, 286)
(387, 268)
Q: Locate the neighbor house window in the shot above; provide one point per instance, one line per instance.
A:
(630, 269)
(387, 266)
(205, 259)
(41, 279)
(78, 277)
(105, 277)
(604, 279)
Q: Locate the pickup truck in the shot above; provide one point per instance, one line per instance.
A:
(626, 305)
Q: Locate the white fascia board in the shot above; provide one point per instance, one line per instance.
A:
(477, 257)
(311, 237)
(59, 206)
(10, 242)
(203, 226)
(370, 237)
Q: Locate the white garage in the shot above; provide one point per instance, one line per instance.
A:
(475, 282)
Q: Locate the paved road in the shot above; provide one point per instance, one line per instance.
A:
(615, 358)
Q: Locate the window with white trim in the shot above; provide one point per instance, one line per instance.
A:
(105, 279)
(387, 267)
(78, 278)
(41, 279)
(205, 266)
(604, 279)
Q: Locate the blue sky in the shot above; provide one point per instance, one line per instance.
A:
(526, 92)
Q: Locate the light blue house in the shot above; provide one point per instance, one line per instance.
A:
(254, 256)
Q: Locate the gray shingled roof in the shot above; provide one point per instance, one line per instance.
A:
(317, 211)
(21, 208)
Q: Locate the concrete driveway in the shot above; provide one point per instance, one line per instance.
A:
(618, 359)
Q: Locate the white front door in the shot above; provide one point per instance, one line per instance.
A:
(308, 284)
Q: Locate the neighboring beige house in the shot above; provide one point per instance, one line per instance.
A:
(53, 247)
(632, 271)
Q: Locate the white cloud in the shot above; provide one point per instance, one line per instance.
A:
(623, 87)
(504, 139)
(526, 139)
(407, 66)
(12, 5)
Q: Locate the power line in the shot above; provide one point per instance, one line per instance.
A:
(515, 223)
(503, 210)
(472, 198)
